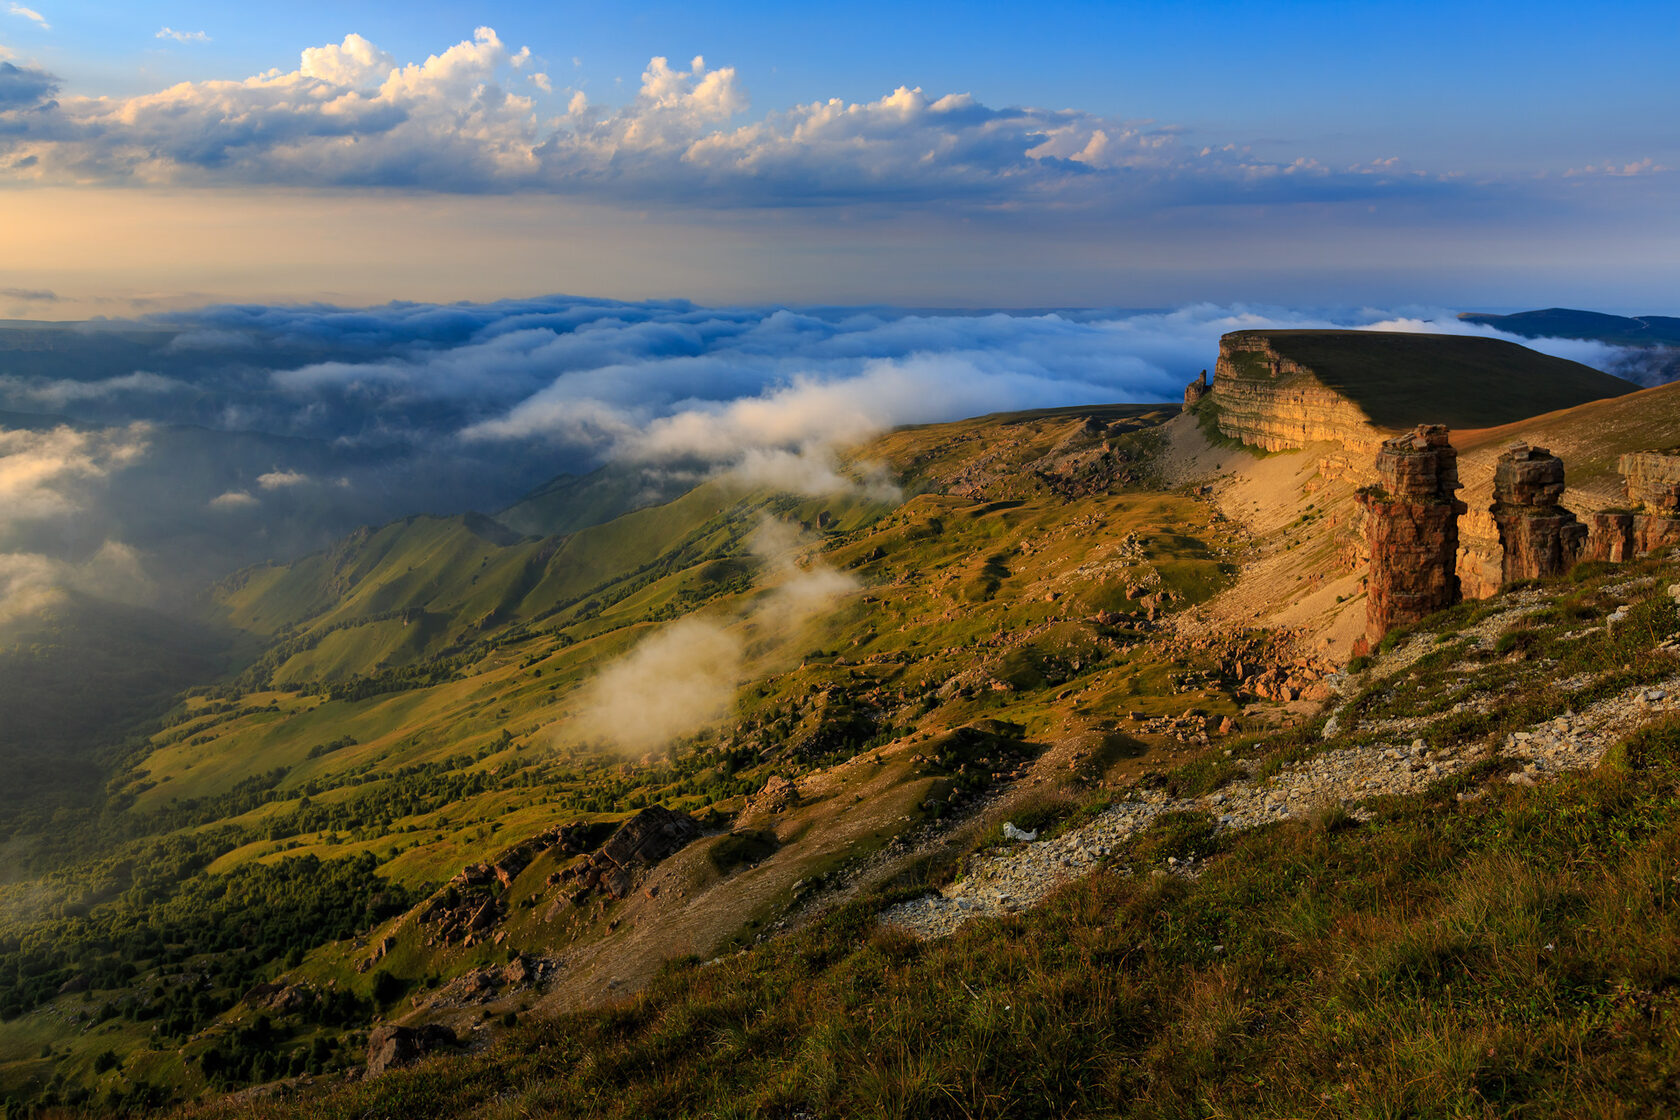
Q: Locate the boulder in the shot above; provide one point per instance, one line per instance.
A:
(390, 1046)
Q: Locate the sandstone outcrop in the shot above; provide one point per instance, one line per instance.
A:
(1271, 401)
(1651, 480)
(1196, 390)
(1538, 537)
(1411, 522)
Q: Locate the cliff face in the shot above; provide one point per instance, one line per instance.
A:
(1652, 479)
(1271, 401)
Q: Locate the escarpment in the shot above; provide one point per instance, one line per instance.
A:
(1267, 399)
(1285, 389)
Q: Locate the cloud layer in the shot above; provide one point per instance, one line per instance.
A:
(352, 115)
(205, 440)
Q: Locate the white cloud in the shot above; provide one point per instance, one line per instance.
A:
(233, 500)
(353, 115)
(278, 480)
(56, 393)
(29, 14)
(353, 63)
(49, 478)
(1646, 166)
(41, 473)
(31, 582)
(684, 676)
(182, 36)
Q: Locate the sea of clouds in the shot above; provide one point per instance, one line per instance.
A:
(200, 441)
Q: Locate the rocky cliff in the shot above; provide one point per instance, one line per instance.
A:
(1282, 389)
(1269, 400)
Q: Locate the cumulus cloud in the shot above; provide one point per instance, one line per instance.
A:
(351, 114)
(1646, 166)
(275, 480)
(41, 473)
(31, 582)
(684, 677)
(233, 500)
(182, 36)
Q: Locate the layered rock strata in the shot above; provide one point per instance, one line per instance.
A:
(1411, 524)
(1270, 401)
(1651, 480)
(1538, 537)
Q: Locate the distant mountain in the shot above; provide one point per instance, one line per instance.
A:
(1564, 322)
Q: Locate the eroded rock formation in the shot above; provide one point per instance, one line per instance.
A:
(1538, 537)
(1196, 390)
(644, 840)
(1411, 523)
(1651, 480)
(1268, 400)
(390, 1046)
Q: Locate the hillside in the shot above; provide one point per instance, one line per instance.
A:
(439, 799)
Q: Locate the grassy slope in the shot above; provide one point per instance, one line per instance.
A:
(1589, 438)
(986, 589)
(1401, 380)
(1512, 951)
(1010, 1018)
(80, 676)
(572, 502)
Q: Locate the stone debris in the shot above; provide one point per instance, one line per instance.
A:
(1004, 882)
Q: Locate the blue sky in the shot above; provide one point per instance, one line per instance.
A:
(1084, 153)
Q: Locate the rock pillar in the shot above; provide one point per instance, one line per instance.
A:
(1195, 391)
(1411, 523)
(1539, 537)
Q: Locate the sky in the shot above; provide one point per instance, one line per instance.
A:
(159, 156)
